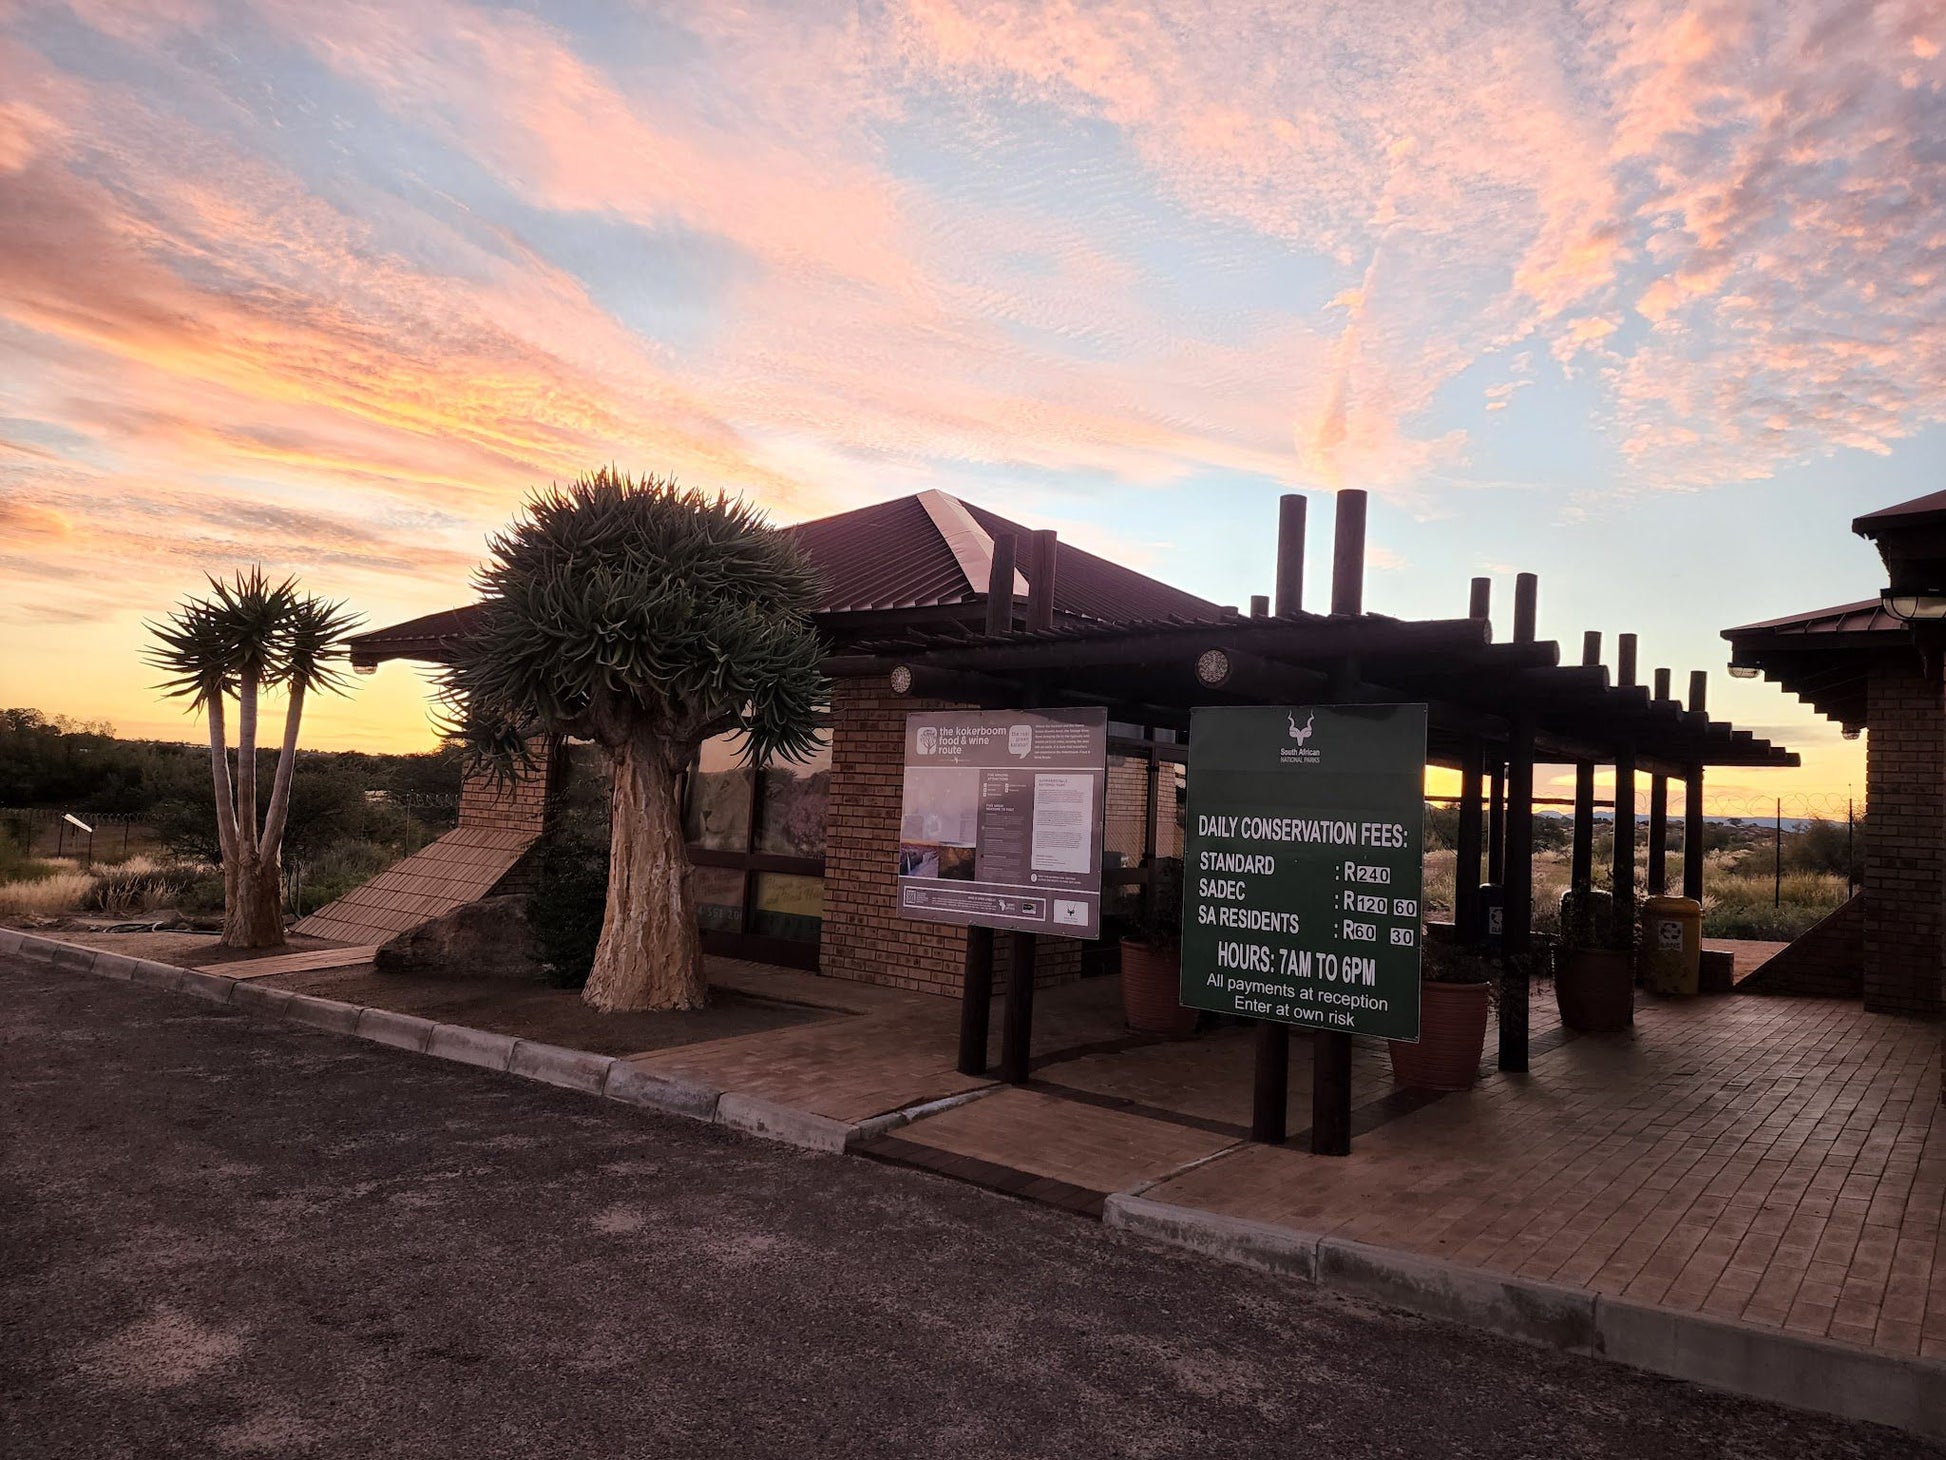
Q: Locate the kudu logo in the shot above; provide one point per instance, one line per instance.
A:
(1301, 751)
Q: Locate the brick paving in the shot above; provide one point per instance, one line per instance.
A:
(1778, 1161)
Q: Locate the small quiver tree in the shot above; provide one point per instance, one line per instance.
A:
(250, 637)
(645, 618)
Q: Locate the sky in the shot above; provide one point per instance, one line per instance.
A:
(1647, 298)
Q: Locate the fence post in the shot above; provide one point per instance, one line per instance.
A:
(1777, 882)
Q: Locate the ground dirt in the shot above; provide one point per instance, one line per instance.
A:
(226, 1236)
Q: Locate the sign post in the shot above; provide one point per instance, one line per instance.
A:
(1303, 878)
(1000, 826)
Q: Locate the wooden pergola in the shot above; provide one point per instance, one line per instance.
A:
(1497, 709)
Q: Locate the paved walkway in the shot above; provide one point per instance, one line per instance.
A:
(1778, 1161)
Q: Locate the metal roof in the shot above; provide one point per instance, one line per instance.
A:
(1824, 657)
(1914, 513)
(885, 560)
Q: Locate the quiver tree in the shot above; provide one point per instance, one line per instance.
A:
(645, 618)
(248, 638)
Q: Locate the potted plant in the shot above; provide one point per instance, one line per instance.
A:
(1594, 981)
(1456, 991)
(1152, 958)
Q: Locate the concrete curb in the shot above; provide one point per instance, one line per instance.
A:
(756, 1116)
(471, 1046)
(630, 1084)
(551, 1064)
(1759, 1363)
(1229, 1239)
(399, 1031)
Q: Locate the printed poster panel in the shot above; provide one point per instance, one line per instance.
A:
(1001, 817)
(1303, 865)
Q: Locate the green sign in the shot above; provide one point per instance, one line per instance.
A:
(1304, 863)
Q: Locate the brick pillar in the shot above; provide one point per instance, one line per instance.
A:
(520, 807)
(864, 938)
(1905, 842)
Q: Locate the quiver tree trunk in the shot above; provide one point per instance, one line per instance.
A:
(253, 901)
(650, 956)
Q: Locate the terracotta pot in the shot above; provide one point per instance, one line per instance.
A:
(1595, 988)
(1151, 988)
(1452, 1035)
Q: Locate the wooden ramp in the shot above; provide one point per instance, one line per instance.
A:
(461, 867)
(310, 961)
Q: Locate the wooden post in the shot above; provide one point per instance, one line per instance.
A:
(1270, 1087)
(1497, 818)
(1290, 555)
(1017, 1027)
(1517, 897)
(1331, 1052)
(1658, 879)
(1348, 554)
(1692, 820)
(1479, 602)
(1622, 865)
(1042, 555)
(1259, 605)
(1527, 592)
(1000, 588)
(1581, 860)
(976, 1000)
(1466, 858)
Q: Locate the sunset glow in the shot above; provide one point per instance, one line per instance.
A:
(1648, 298)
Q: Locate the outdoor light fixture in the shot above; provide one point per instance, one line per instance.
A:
(357, 668)
(1910, 607)
(1743, 671)
(902, 680)
(1851, 732)
(1212, 667)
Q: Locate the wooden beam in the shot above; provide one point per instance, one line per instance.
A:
(1290, 555)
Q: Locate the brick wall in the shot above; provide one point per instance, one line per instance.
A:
(1905, 842)
(864, 939)
(519, 807)
(1826, 962)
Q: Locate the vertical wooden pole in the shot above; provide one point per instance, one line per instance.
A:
(1331, 1052)
(1348, 554)
(1000, 588)
(1290, 555)
(1043, 554)
(1479, 602)
(1259, 605)
(976, 1001)
(1658, 880)
(1581, 860)
(1622, 865)
(1517, 896)
(1017, 1028)
(1527, 594)
(1692, 818)
(1270, 1086)
(1466, 858)
(1497, 821)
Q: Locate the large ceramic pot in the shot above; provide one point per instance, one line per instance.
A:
(1452, 1035)
(1151, 987)
(1595, 988)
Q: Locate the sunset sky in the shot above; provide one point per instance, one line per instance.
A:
(1648, 298)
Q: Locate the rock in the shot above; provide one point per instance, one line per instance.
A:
(485, 939)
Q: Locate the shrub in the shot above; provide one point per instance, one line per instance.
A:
(570, 895)
(335, 871)
(138, 886)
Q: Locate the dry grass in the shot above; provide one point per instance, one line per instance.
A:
(45, 896)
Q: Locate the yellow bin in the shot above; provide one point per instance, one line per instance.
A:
(1670, 953)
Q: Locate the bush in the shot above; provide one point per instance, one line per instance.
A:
(335, 871)
(570, 895)
(138, 886)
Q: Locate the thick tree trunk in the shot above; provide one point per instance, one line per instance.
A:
(253, 902)
(650, 956)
